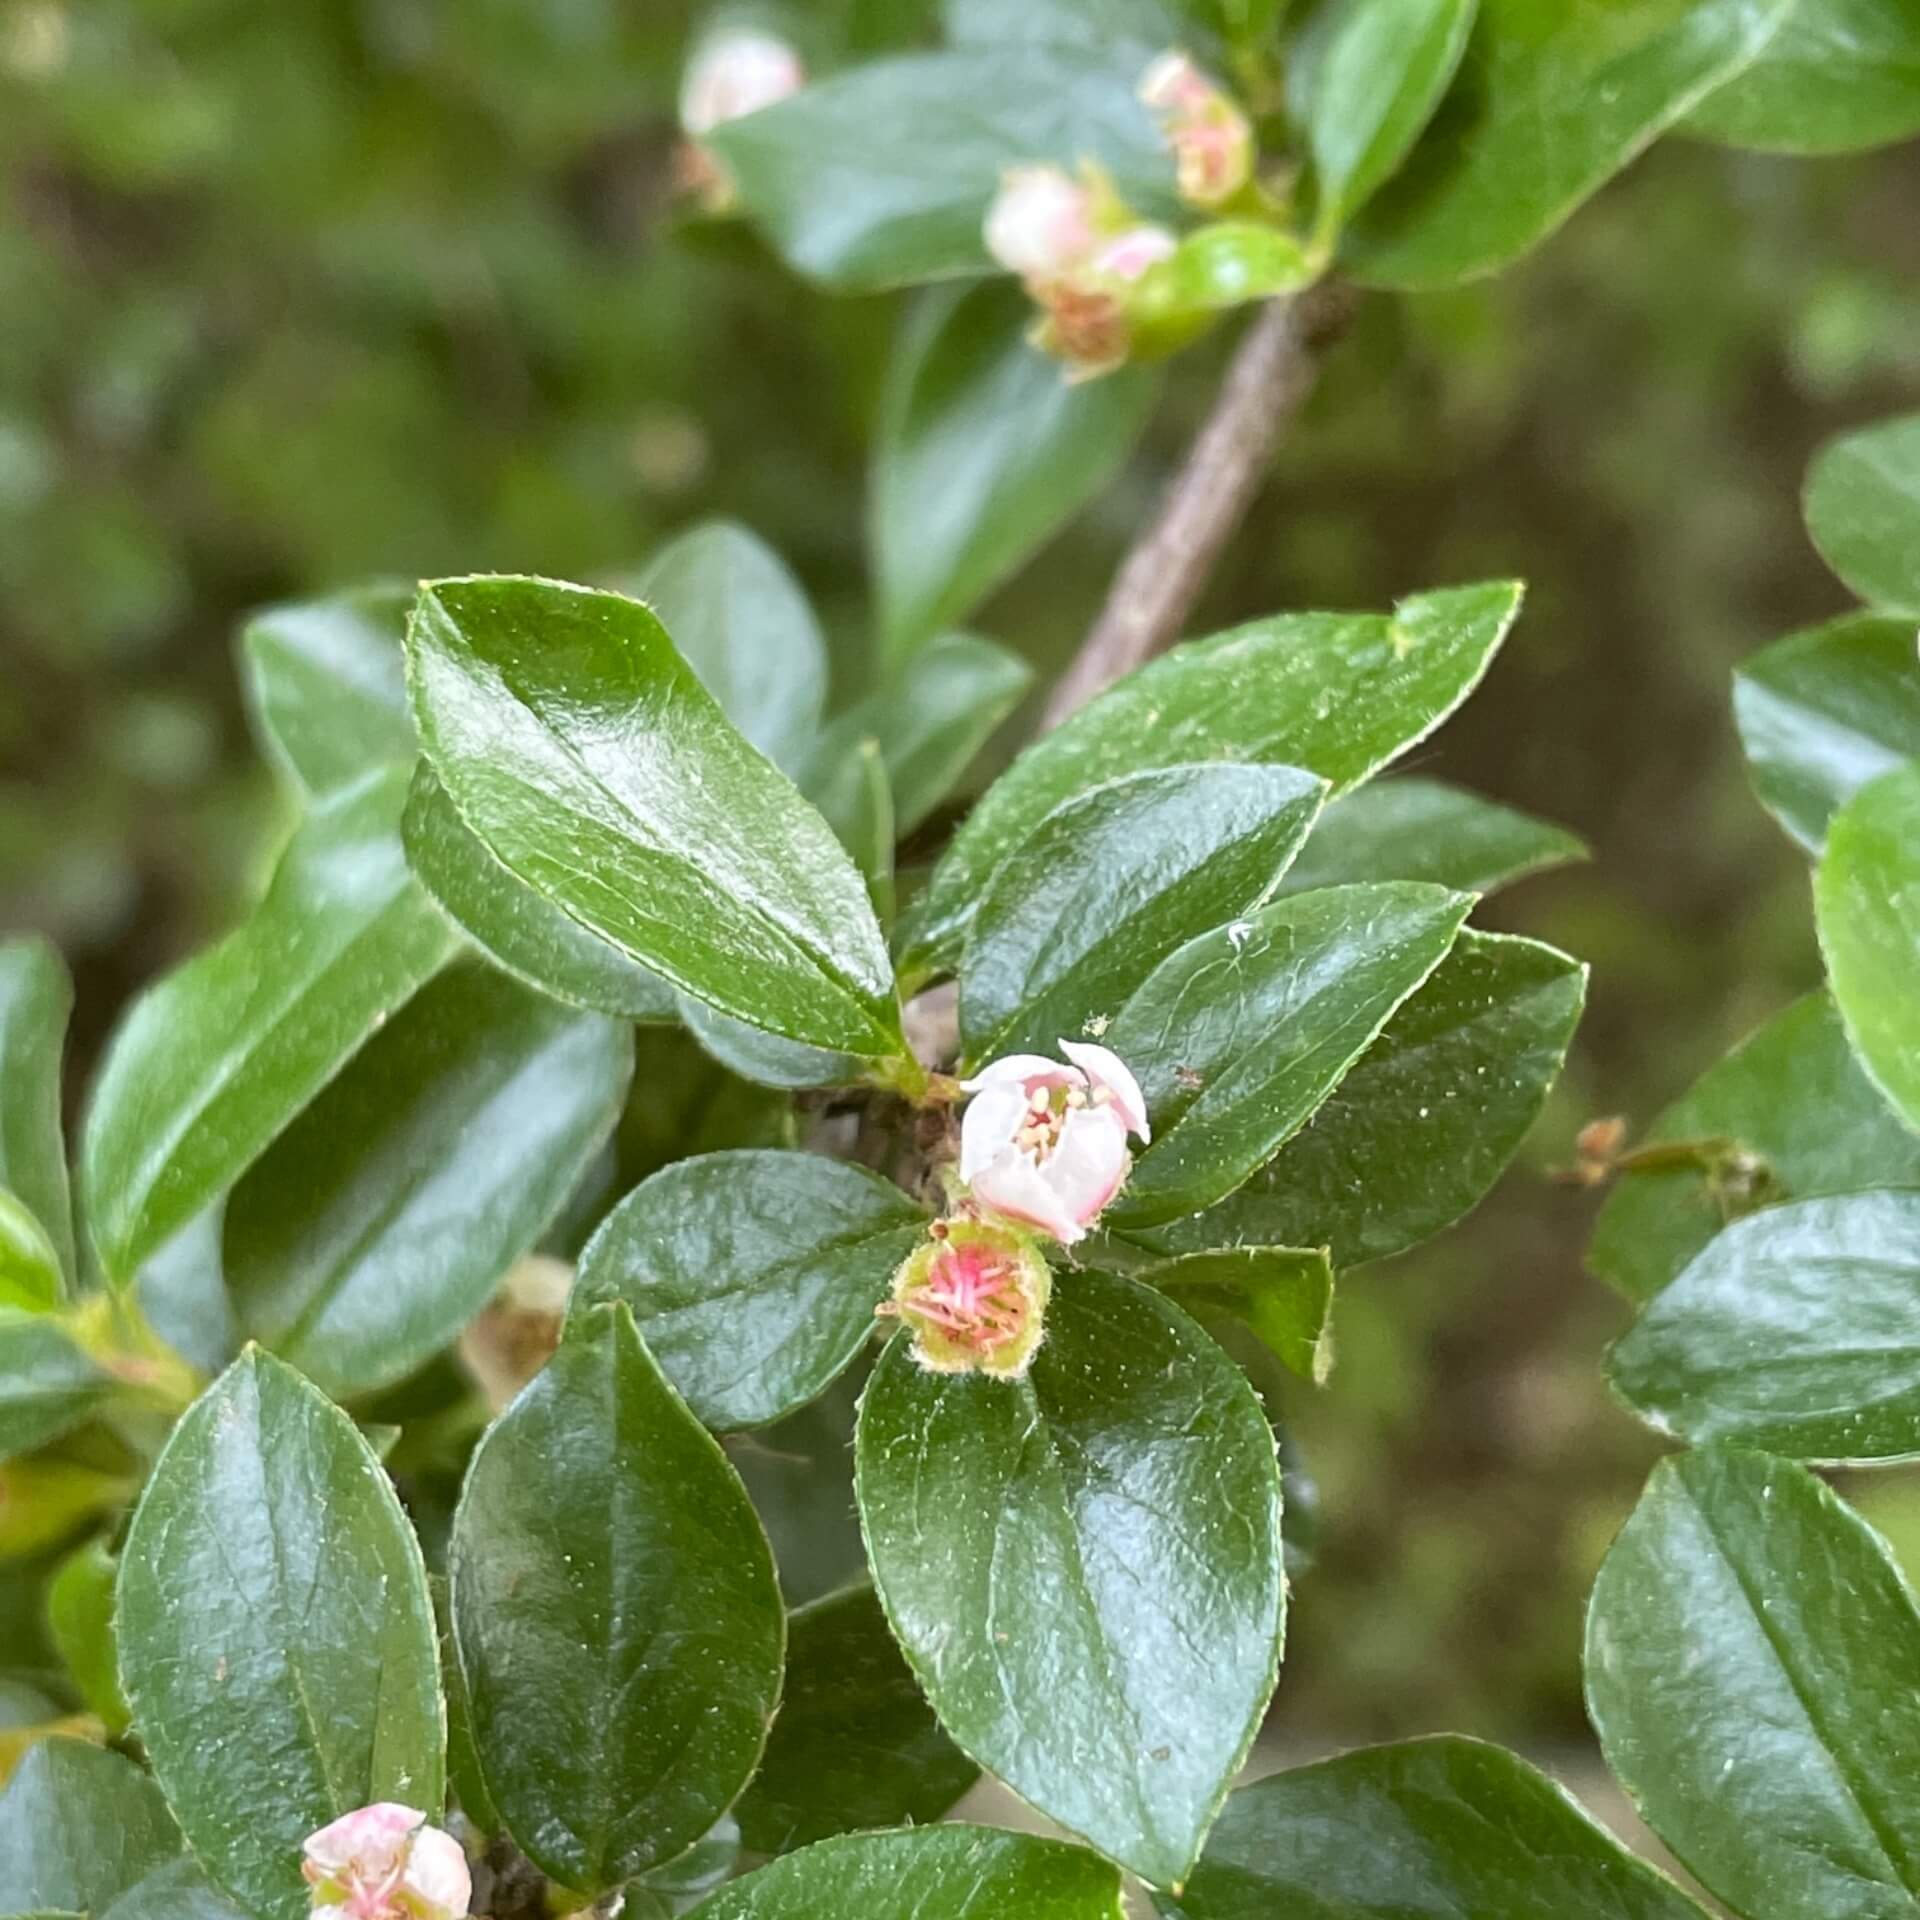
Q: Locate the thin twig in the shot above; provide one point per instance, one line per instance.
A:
(1271, 374)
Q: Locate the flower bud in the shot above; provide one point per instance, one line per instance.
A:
(733, 74)
(1041, 223)
(384, 1862)
(975, 1297)
(1211, 139)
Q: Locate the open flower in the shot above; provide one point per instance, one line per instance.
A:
(974, 1295)
(1046, 1143)
(384, 1862)
(733, 75)
(1212, 140)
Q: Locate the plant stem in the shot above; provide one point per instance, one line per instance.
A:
(1269, 377)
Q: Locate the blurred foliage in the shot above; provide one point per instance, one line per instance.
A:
(300, 294)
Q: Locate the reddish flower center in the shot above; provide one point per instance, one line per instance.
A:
(973, 1295)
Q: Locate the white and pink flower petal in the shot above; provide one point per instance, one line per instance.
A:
(1105, 1069)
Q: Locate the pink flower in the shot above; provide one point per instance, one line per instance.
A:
(975, 1296)
(384, 1862)
(1133, 252)
(1047, 1144)
(735, 74)
(1041, 223)
(1212, 140)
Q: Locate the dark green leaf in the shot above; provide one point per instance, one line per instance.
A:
(1110, 883)
(46, 1383)
(177, 1891)
(1787, 1115)
(616, 1615)
(276, 1638)
(1433, 1827)
(1091, 25)
(327, 685)
(847, 780)
(1238, 1037)
(78, 1827)
(752, 1276)
(983, 453)
(30, 1276)
(1424, 1122)
(80, 1618)
(381, 1221)
(933, 1873)
(1793, 1330)
(575, 741)
(1285, 1294)
(214, 1061)
(764, 1058)
(1863, 510)
(856, 1745)
(1821, 713)
(35, 999)
(1084, 1566)
(1337, 694)
(1866, 898)
(182, 1291)
(1753, 1671)
(1549, 105)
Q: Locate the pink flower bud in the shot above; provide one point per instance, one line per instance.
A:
(1212, 140)
(975, 1296)
(735, 74)
(1133, 252)
(1046, 1144)
(384, 1862)
(1040, 224)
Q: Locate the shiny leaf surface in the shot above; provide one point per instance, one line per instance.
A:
(79, 1826)
(1285, 1294)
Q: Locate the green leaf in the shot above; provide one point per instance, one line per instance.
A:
(1423, 1124)
(1090, 25)
(616, 1615)
(982, 454)
(1225, 264)
(1438, 1826)
(1793, 1331)
(276, 1637)
(1549, 105)
(1821, 713)
(520, 930)
(1363, 80)
(764, 1058)
(881, 175)
(177, 1891)
(1866, 897)
(932, 1873)
(1787, 1115)
(850, 788)
(214, 1061)
(575, 741)
(1840, 74)
(80, 1618)
(856, 1745)
(1414, 829)
(1110, 883)
(752, 1276)
(1083, 1566)
(35, 999)
(1337, 694)
(79, 1826)
(182, 1292)
(1238, 1037)
(1774, 1752)
(381, 1221)
(1284, 1294)
(30, 1276)
(1863, 510)
(46, 1383)
(327, 685)
(741, 621)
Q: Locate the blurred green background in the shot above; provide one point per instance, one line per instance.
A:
(295, 294)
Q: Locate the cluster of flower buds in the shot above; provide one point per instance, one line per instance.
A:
(384, 1862)
(1211, 139)
(1043, 1150)
(732, 75)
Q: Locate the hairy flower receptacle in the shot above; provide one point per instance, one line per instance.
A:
(384, 1862)
(974, 1297)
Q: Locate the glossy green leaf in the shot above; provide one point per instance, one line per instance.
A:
(46, 1383)
(1091, 25)
(856, 1745)
(1821, 713)
(276, 1637)
(1866, 898)
(1787, 1115)
(931, 1873)
(1423, 1124)
(1337, 694)
(1364, 78)
(1110, 883)
(1549, 104)
(850, 787)
(1225, 264)
(176, 1891)
(30, 1276)
(1840, 74)
(1434, 1827)
(1793, 1330)
(381, 1221)
(881, 175)
(1284, 1294)
(182, 1291)
(35, 999)
(214, 1061)
(1753, 1671)
(764, 1058)
(1084, 1566)
(575, 741)
(79, 1826)
(327, 685)
(1863, 510)
(742, 622)
(519, 929)
(752, 1276)
(1238, 1037)
(615, 1610)
(982, 454)
(1414, 829)
(80, 1619)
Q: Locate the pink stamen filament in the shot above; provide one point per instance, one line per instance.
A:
(972, 1296)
